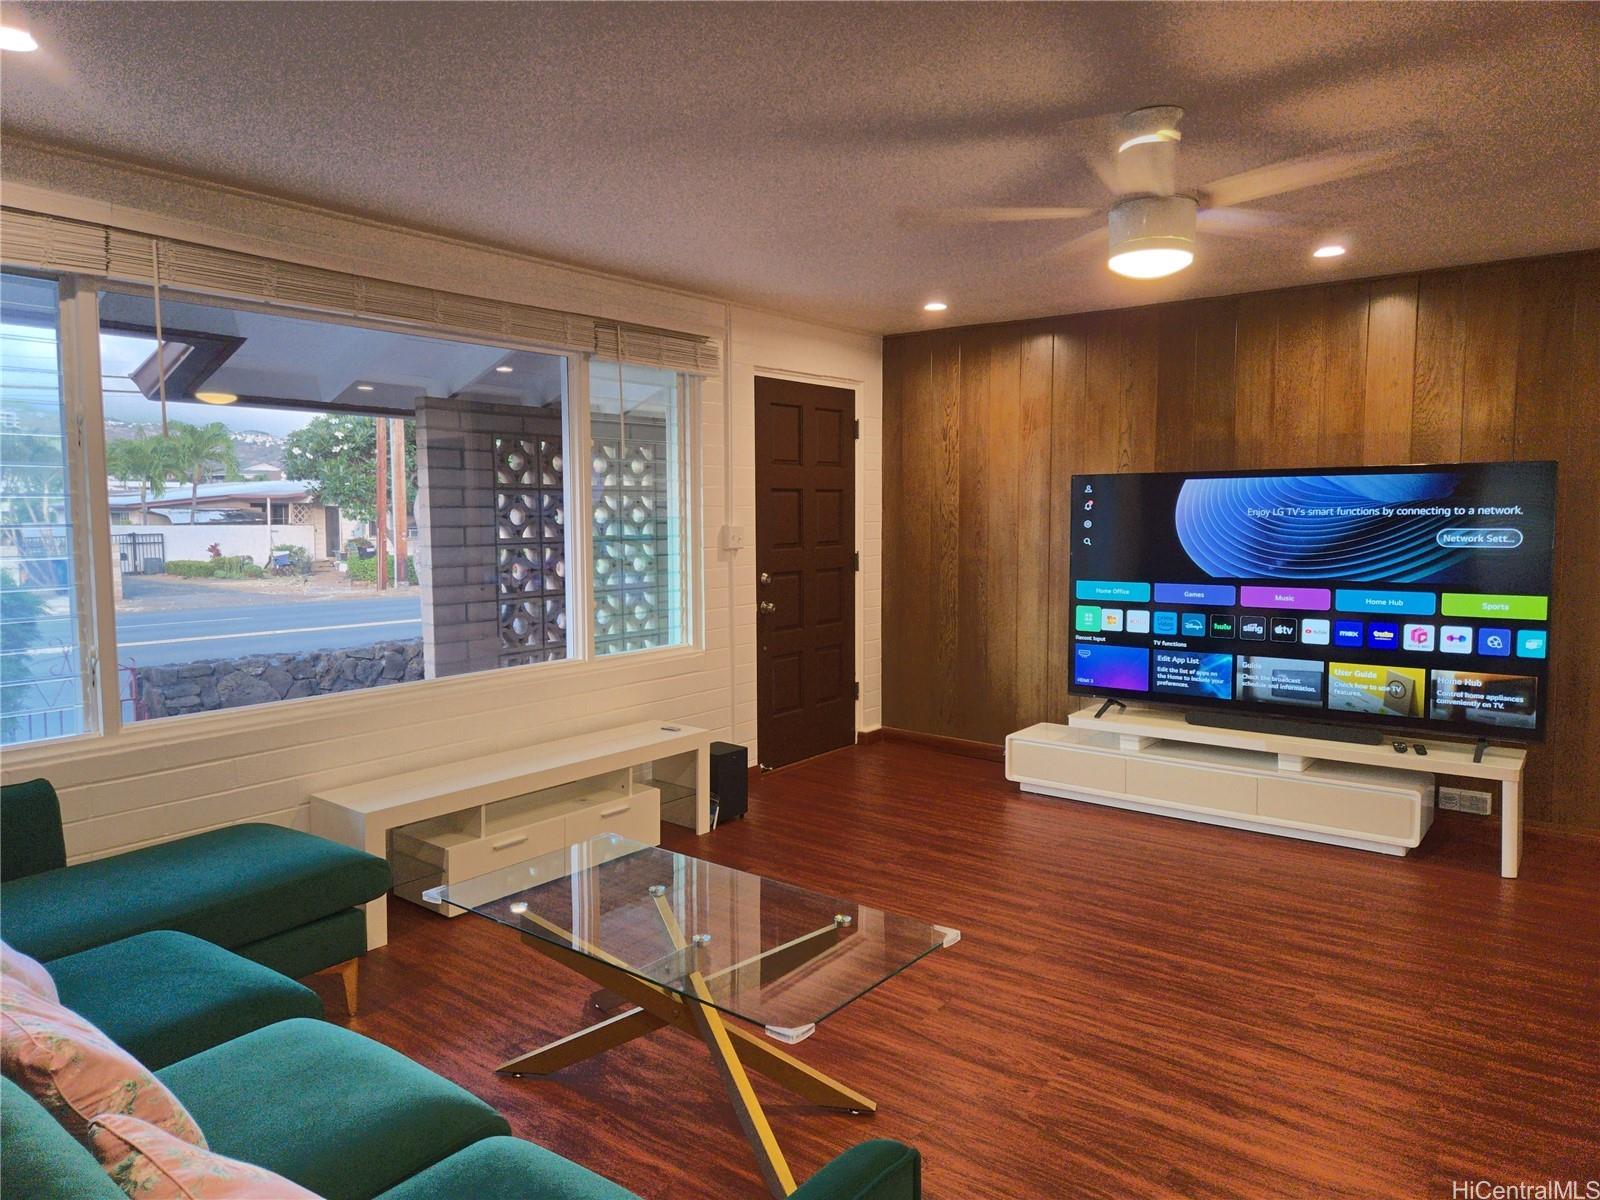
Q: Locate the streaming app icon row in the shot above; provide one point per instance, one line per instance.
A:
(1486, 641)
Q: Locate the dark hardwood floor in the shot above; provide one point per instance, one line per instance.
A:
(1138, 1007)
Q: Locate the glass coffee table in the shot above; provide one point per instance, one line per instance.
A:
(676, 941)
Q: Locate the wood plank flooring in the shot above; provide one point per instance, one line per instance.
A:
(1138, 1007)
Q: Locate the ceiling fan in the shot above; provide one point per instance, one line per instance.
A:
(1152, 225)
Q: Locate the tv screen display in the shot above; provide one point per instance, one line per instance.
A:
(1417, 597)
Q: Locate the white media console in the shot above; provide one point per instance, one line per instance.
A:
(461, 819)
(1365, 796)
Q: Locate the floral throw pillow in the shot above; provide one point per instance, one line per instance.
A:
(17, 967)
(77, 1072)
(153, 1165)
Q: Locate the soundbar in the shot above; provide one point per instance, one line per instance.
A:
(1247, 723)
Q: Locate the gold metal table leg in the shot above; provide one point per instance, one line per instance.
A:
(575, 1047)
(733, 1051)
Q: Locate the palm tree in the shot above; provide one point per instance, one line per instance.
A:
(147, 459)
(197, 450)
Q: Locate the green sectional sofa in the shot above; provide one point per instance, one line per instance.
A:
(182, 954)
(348, 1119)
(280, 897)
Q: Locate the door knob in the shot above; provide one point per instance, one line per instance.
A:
(767, 606)
(764, 577)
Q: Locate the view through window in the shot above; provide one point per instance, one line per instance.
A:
(42, 692)
(635, 416)
(324, 510)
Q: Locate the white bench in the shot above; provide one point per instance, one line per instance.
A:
(467, 817)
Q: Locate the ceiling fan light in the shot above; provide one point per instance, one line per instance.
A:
(1152, 236)
(1152, 262)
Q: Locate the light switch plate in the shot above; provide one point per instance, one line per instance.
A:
(733, 537)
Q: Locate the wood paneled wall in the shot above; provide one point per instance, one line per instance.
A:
(984, 425)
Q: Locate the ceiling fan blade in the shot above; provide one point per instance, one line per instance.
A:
(1246, 222)
(986, 215)
(1310, 170)
(1096, 238)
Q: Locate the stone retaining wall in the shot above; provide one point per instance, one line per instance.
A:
(260, 679)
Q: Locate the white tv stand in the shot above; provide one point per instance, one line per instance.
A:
(1343, 793)
(462, 819)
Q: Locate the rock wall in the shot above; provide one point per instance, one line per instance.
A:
(260, 679)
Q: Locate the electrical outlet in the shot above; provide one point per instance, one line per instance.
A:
(1466, 800)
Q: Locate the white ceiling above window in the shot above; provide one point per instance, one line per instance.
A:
(768, 153)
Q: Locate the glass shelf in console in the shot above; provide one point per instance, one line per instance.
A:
(777, 955)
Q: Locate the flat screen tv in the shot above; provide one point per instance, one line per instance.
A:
(1406, 597)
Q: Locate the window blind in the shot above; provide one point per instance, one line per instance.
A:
(59, 244)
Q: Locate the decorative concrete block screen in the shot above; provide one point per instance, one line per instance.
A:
(490, 520)
(532, 548)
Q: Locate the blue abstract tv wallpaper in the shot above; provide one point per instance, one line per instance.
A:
(1413, 596)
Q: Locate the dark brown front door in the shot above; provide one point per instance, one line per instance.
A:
(805, 569)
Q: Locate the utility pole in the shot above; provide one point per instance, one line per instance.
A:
(398, 481)
(382, 427)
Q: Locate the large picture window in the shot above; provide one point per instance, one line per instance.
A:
(301, 505)
(635, 417)
(42, 669)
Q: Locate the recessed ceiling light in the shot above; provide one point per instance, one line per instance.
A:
(1328, 251)
(14, 35)
(363, 387)
(503, 370)
(215, 397)
(935, 306)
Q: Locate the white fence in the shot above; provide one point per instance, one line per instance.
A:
(194, 542)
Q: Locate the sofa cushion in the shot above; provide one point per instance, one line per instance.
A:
(875, 1170)
(230, 886)
(307, 949)
(76, 1072)
(335, 1112)
(30, 829)
(41, 1160)
(505, 1168)
(163, 996)
(153, 1165)
(17, 968)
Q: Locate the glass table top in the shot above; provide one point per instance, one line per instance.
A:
(771, 953)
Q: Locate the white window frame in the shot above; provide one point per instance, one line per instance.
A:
(89, 508)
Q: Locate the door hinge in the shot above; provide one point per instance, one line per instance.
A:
(858, 431)
(856, 559)
(857, 691)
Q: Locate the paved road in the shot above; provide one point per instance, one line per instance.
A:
(263, 626)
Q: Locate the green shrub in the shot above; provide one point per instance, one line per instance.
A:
(365, 570)
(237, 566)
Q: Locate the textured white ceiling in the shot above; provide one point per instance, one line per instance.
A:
(764, 153)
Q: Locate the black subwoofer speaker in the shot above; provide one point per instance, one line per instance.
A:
(730, 776)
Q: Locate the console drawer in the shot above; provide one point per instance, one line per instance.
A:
(1192, 787)
(450, 858)
(636, 816)
(1394, 815)
(1067, 767)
